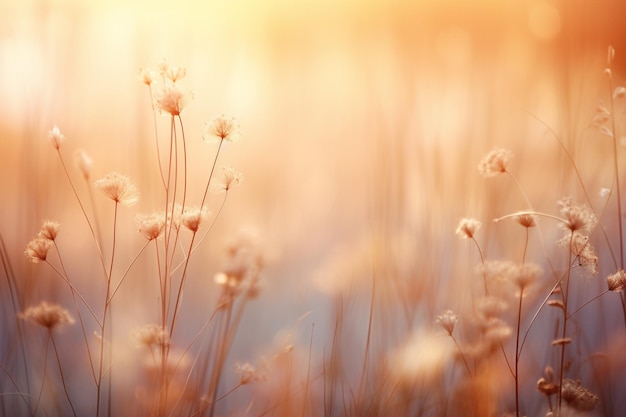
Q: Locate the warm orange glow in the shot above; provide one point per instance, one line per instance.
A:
(362, 125)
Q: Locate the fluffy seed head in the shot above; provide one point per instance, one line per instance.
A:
(146, 76)
(49, 230)
(47, 315)
(37, 249)
(118, 188)
(193, 217)
(494, 163)
(581, 248)
(230, 178)
(172, 99)
(151, 225)
(577, 217)
(447, 320)
(152, 335)
(221, 128)
(525, 219)
(467, 228)
(56, 137)
(617, 281)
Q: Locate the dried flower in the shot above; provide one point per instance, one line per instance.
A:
(151, 225)
(221, 128)
(146, 76)
(523, 276)
(49, 230)
(47, 315)
(83, 162)
(578, 397)
(118, 188)
(447, 320)
(617, 281)
(172, 99)
(494, 163)
(525, 219)
(174, 73)
(244, 261)
(193, 217)
(56, 137)
(37, 249)
(580, 247)
(578, 217)
(152, 335)
(248, 373)
(230, 178)
(467, 228)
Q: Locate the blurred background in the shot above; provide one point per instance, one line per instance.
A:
(361, 121)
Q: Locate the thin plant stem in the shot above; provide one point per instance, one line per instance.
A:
(56, 352)
(43, 377)
(618, 191)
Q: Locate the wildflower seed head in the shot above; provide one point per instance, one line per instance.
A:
(56, 137)
(617, 281)
(577, 396)
(447, 320)
(118, 188)
(523, 276)
(467, 228)
(47, 315)
(151, 335)
(37, 249)
(230, 178)
(619, 93)
(582, 249)
(577, 217)
(193, 217)
(495, 163)
(526, 220)
(151, 225)
(171, 99)
(248, 373)
(175, 73)
(49, 230)
(221, 128)
(146, 76)
(83, 162)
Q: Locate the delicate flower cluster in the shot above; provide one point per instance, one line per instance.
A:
(47, 315)
(447, 320)
(617, 281)
(151, 225)
(495, 163)
(56, 138)
(467, 228)
(248, 373)
(577, 217)
(243, 265)
(221, 128)
(169, 97)
(38, 248)
(230, 178)
(580, 247)
(152, 335)
(193, 217)
(525, 219)
(118, 188)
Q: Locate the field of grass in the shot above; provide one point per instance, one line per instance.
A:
(272, 208)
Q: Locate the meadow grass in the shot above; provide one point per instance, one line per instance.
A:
(523, 315)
